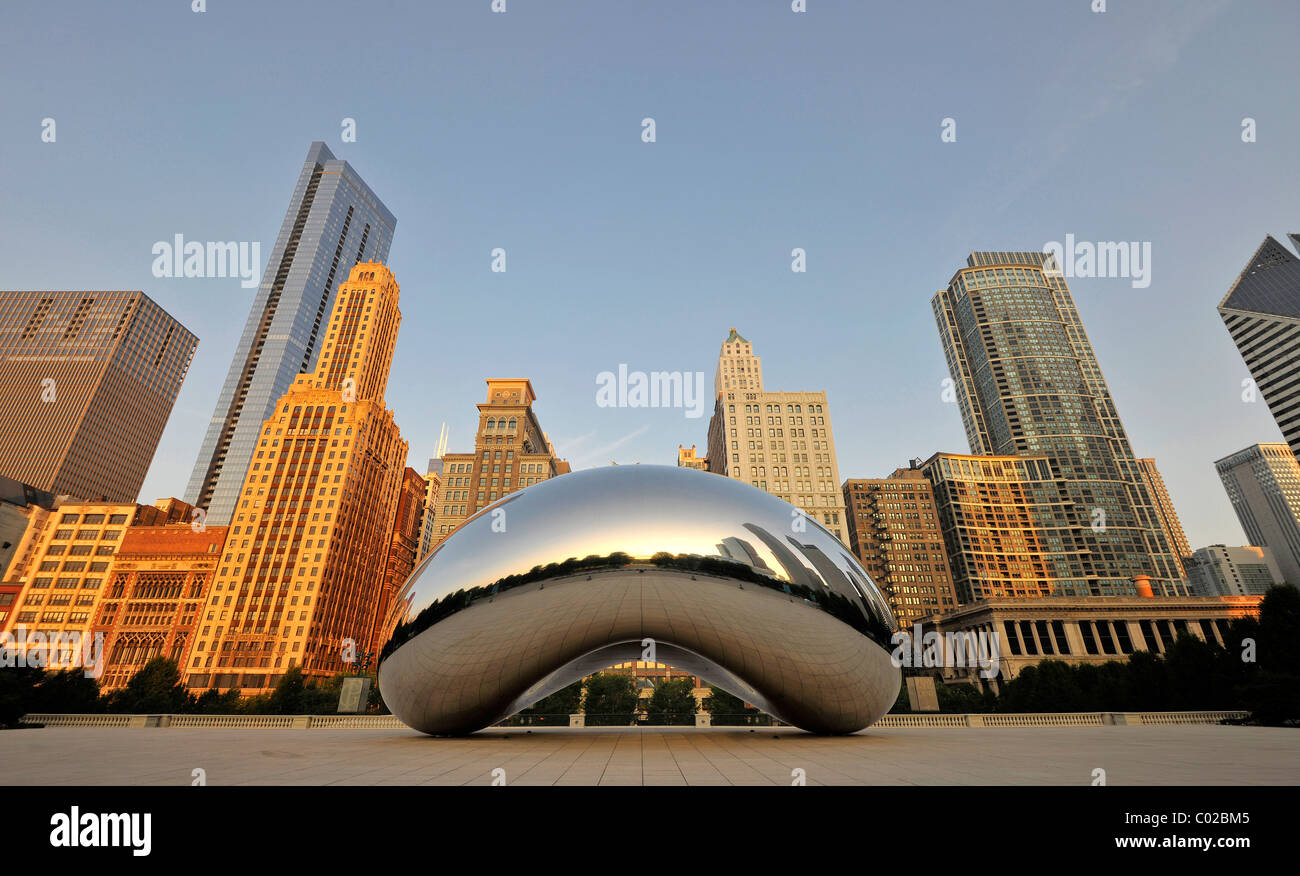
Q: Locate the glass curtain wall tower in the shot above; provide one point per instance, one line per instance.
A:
(334, 221)
(1028, 384)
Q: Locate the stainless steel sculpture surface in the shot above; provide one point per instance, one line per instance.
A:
(586, 570)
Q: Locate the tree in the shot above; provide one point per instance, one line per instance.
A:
(288, 696)
(17, 693)
(155, 689)
(213, 702)
(1272, 690)
(726, 709)
(963, 698)
(673, 702)
(902, 703)
(322, 697)
(69, 691)
(1279, 631)
(556, 708)
(610, 699)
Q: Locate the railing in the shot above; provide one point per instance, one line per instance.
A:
(79, 720)
(1190, 717)
(1046, 719)
(703, 719)
(923, 721)
(252, 722)
(356, 722)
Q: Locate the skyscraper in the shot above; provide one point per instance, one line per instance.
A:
(1005, 525)
(894, 530)
(87, 382)
(1262, 313)
(780, 442)
(334, 221)
(1219, 570)
(1028, 384)
(1263, 484)
(433, 488)
(510, 452)
(302, 574)
(402, 551)
(1165, 512)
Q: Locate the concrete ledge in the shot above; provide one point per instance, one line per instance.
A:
(389, 722)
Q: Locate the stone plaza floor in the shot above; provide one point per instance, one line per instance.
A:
(1180, 755)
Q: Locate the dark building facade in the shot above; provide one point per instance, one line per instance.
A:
(87, 382)
(894, 531)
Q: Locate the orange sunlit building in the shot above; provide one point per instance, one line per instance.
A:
(1004, 526)
(72, 553)
(301, 575)
(157, 585)
(510, 452)
(402, 551)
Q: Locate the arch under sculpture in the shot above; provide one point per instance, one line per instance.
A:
(574, 574)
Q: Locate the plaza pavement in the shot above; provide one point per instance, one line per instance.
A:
(1178, 755)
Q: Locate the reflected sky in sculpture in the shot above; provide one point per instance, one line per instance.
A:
(717, 535)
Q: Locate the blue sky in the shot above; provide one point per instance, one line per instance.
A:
(775, 130)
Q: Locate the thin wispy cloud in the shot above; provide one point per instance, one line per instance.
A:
(598, 455)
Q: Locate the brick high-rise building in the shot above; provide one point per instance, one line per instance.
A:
(87, 382)
(510, 452)
(157, 588)
(402, 551)
(302, 573)
(1165, 513)
(1028, 384)
(1262, 313)
(780, 442)
(1263, 484)
(334, 222)
(894, 530)
(71, 556)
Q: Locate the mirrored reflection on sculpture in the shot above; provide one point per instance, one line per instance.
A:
(570, 576)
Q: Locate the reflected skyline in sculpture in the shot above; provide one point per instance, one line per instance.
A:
(570, 575)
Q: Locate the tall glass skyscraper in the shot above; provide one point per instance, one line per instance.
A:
(1028, 384)
(334, 222)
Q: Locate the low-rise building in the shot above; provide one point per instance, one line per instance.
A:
(157, 586)
(62, 585)
(1086, 629)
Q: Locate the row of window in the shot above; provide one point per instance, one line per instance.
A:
(93, 519)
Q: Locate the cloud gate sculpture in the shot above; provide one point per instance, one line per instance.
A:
(574, 574)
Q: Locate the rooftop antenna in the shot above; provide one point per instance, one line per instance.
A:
(441, 448)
